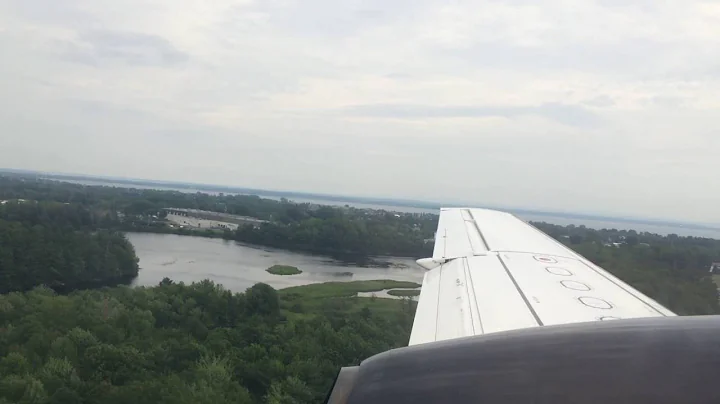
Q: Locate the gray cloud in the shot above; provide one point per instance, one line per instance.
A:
(571, 115)
(101, 47)
(328, 19)
(641, 4)
(601, 101)
(667, 101)
(629, 57)
(51, 11)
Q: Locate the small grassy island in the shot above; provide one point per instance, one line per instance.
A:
(283, 270)
(403, 292)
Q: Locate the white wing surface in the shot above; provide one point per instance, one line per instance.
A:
(492, 272)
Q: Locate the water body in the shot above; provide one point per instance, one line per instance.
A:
(640, 225)
(102, 183)
(237, 267)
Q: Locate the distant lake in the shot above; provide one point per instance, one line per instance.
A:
(639, 225)
(101, 183)
(237, 267)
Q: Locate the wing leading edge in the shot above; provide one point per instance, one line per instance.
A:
(492, 272)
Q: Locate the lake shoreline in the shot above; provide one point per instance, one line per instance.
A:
(237, 266)
(345, 256)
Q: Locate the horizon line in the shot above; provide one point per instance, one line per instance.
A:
(378, 200)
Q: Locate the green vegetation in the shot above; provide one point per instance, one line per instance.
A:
(283, 270)
(349, 233)
(338, 298)
(197, 343)
(343, 289)
(716, 279)
(403, 292)
(54, 244)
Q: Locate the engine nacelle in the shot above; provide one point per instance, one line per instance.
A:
(667, 360)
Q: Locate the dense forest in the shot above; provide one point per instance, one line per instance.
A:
(196, 343)
(56, 245)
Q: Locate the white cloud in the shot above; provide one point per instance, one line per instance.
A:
(595, 106)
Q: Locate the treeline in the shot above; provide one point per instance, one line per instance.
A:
(349, 232)
(180, 344)
(57, 245)
(131, 201)
(338, 231)
(671, 269)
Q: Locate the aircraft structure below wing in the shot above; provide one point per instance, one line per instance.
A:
(492, 272)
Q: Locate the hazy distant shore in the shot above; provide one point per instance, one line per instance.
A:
(402, 205)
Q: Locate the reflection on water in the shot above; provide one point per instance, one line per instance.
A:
(237, 267)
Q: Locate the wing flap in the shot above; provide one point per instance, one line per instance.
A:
(500, 303)
(457, 300)
(457, 235)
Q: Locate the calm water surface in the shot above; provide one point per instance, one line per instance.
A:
(237, 267)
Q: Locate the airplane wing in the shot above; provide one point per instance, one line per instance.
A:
(492, 272)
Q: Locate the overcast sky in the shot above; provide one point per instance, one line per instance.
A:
(605, 106)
